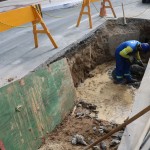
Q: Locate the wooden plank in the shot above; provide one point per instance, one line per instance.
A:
(33, 106)
(16, 17)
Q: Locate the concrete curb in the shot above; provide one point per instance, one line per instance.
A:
(59, 5)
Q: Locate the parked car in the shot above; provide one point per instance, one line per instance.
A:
(144, 1)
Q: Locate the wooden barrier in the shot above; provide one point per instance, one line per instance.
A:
(86, 3)
(109, 6)
(20, 16)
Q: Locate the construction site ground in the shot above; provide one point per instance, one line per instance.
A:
(18, 57)
(113, 104)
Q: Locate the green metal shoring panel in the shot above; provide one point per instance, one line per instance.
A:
(34, 105)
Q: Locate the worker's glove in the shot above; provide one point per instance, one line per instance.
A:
(131, 59)
(140, 63)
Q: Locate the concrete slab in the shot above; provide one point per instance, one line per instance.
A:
(146, 143)
(135, 132)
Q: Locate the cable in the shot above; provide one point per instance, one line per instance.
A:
(98, 12)
(127, 4)
(140, 13)
(52, 15)
(63, 17)
(95, 7)
(13, 26)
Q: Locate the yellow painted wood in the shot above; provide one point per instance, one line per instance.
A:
(108, 6)
(18, 17)
(90, 1)
(86, 3)
(40, 31)
(38, 16)
(111, 7)
(94, 1)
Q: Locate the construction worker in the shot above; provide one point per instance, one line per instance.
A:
(126, 53)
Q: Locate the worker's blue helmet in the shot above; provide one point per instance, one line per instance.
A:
(145, 47)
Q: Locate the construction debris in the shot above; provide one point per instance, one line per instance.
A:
(10, 79)
(103, 146)
(81, 132)
(86, 105)
(118, 135)
(96, 148)
(78, 139)
(114, 142)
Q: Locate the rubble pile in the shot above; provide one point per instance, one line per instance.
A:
(82, 128)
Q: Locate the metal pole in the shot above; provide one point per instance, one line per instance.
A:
(124, 18)
(120, 127)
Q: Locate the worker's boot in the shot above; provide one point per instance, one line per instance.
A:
(117, 80)
(122, 81)
(131, 80)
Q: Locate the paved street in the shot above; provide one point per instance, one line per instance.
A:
(18, 56)
(46, 4)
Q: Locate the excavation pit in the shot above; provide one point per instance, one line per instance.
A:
(91, 61)
(97, 53)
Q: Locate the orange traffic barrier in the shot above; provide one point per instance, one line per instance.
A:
(86, 3)
(103, 8)
(20, 16)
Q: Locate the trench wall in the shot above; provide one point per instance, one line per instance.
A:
(100, 45)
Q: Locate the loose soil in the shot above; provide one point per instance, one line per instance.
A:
(61, 138)
(113, 102)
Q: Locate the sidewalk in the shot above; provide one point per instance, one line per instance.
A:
(58, 4)
(46, 4)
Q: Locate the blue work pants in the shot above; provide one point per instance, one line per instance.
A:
(122, 68)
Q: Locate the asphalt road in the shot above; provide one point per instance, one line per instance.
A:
(18, 56)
